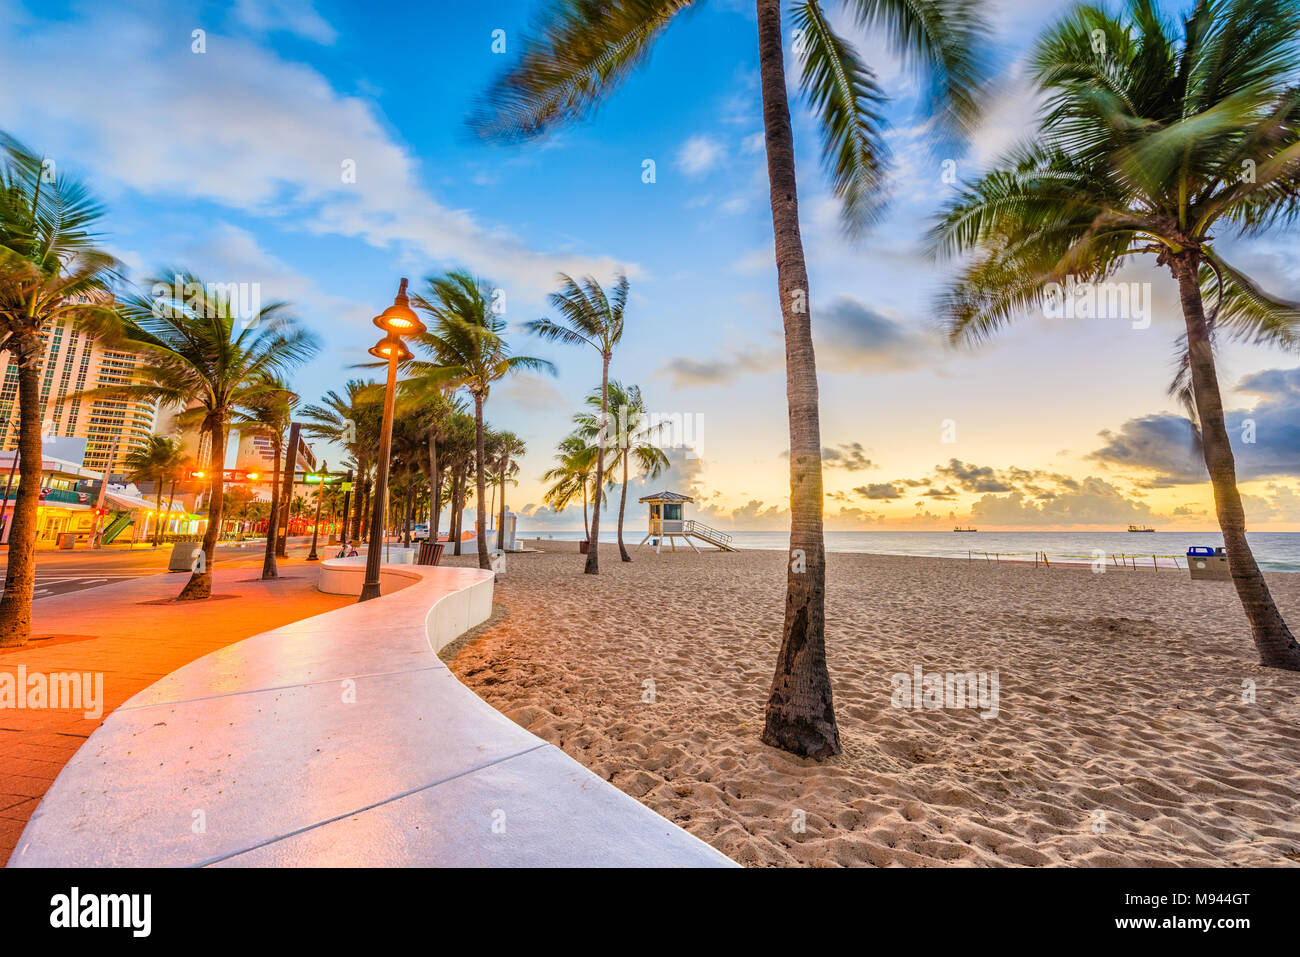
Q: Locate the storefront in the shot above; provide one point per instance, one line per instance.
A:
(63, 507)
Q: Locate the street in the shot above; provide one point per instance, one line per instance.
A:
(61, 572)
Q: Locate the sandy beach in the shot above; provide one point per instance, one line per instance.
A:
(1123, 734)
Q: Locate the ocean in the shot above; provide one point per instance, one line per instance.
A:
(1275, 551)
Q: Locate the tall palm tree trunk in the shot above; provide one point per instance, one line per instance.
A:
(458, 505)
(20, 571)
(1277, 646)
(200, 583)
(435, 483)
(359, 508)
(501, 518)
(269, 568)
(286, 494)
(171, 495)
(622, 507)
(800, 713)
(480, 486)
(435, 506)
(158, 525)
(593, 552)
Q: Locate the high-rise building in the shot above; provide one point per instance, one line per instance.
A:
(74, 362)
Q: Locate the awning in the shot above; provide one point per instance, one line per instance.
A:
(128, 502)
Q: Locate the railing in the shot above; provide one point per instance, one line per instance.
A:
(692, 527)
(51, 495)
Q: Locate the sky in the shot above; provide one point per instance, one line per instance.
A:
(227, 152)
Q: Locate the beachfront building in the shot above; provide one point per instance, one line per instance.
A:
(70, 499)
(667, 520)
(108, 429)
(64, 508)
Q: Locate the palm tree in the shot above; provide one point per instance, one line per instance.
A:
(467, 344)
(351, 421)
(425, 394)
(508, 447)
(632, 442)
(1142, 149)
(51, 269)
(155, 461)
(459, 444)
(267, 411)
(589, 317)
(571, 477)
(584, 49)
(410, 459)
(199, 353)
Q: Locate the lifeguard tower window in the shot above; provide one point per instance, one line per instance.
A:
(654, 511)
(672, 511)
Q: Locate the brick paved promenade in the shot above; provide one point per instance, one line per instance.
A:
(115, 631)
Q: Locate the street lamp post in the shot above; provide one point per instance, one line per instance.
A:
(397, 320)
(320, 494)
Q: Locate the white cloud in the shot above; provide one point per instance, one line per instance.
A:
(291, 16)
(241, 127)
(699, 154)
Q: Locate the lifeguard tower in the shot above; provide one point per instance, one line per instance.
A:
(666, 521)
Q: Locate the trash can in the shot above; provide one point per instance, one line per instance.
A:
(1208, 564)
(67, 539)
(584, 546)
(182, 558)
(430, 553)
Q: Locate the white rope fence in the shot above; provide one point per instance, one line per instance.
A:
(1123, 560)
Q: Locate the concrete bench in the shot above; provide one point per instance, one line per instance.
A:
(340, 740)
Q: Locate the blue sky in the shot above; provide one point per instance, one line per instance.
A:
(228, 162)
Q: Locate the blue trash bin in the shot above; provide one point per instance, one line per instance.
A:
(1206, 563)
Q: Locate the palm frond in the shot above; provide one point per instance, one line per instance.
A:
(843, 91)
(577, 53)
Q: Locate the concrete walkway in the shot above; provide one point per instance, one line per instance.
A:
(107, 630)
(342, 740)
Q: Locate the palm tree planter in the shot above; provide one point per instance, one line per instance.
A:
(1149, 143)
(584, 50)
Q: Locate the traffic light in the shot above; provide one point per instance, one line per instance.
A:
(230, 475)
